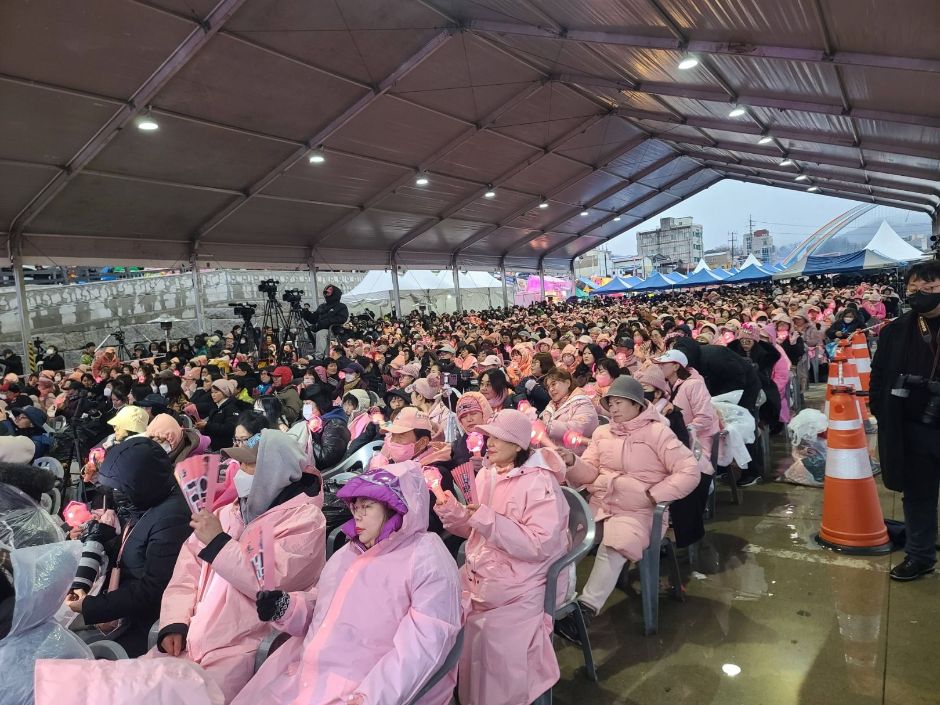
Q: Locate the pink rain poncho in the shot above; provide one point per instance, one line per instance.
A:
(380, 622)
(514, 537)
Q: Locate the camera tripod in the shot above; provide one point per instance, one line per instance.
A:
(303, 340)
(248, 340)
(122, 351)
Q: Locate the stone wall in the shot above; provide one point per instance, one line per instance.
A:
(70, 316)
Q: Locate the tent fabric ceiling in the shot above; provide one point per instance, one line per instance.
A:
(579, 103)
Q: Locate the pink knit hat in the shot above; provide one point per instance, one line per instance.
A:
(511, 426)
(749, 331)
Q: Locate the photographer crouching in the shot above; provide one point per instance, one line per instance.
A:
(905, 398)
(332, 312)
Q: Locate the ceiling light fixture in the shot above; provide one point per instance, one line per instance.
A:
(687, 62)
(543, 203)
(147, 123)
(422, 179)
(737, 111)
(490, 192)
(316, 157)
(813, 189)
(616, 218)
(786, 162)
(802, 177)
(584, 213)
(766, 139)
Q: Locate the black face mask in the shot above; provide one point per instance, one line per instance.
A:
(921, 302)
(649, 396)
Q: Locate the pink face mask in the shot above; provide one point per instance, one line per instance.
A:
(603, 379)
(398, 452)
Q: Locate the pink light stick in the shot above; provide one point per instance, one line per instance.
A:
(475, 442)
(76, 514)
(315, 424)
(432, 478)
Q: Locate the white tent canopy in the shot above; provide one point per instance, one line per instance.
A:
(418, 287)
(702, 264)
(889, 244)
(751, 259)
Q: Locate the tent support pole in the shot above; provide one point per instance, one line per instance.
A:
(542, 278)
(574, 278)
(502, 269)
(457, 291)
(16, 260)
(311, 265)
(935, 230)
(197, 290)
(397, 294)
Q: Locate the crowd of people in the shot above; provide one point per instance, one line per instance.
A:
(610, 396)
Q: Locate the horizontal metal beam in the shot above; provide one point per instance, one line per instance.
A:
(701, 46)
(799, 155)
(831, 184)
(613, 191)
(780, 133)
(861, 195)
(181, 55)
(340, 121)
(816, 172)
(639, 219)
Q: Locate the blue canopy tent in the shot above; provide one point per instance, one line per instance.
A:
(632, 281)
(614, 286)
(860, 261)
(723, 273)
(751, 273)
(733, 270)
(703, 277)
(655, 281)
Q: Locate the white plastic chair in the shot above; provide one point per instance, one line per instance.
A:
(363, 456)
(106, 650)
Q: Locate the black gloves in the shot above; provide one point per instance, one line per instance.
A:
(271, 604)
(96, 531)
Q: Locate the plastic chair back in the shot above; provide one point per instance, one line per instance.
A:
(52, 465)
(271, 643)
(363, 456)
(450, 663)
(106, 650)
(583, 531)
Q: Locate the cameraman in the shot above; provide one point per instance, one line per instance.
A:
(332, 312)
(908, 448)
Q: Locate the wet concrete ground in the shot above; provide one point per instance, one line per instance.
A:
(801, 624)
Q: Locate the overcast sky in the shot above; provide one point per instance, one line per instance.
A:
(789, 215)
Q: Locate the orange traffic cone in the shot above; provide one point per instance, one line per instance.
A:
(842, 373)
(852, 521)
(859, 354)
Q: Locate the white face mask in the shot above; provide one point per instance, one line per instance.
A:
(50, 351)
(163, 389)
(107, 391)
(308, 412)
(166, 447)
(242, 482)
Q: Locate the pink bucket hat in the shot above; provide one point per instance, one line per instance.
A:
(511, 426)
(749, 331)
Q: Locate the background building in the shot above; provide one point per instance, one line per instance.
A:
(719, 258)
(597, 263)
(759, 243)
(633, 265)
(677, 240)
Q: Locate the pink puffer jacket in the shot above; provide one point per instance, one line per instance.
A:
(576, 413)
(217, 602)
(514, 537)
(691, 397)
(620, 464)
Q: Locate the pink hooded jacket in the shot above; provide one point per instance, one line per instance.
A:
(621, 463)
(217, 601)
(514, 537)
(691, 397)
(380, 622)
(780, 374)
(576, 413)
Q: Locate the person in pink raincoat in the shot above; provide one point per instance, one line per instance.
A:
(780, 374)
(630, 464)
(513, 536)
(208, 611)
(384, 615)
(570, 408)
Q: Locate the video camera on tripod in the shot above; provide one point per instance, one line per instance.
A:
(905, 383)
(269, 287)
(246, 311)
(292, 296)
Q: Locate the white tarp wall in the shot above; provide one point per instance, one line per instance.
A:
(435, 290)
